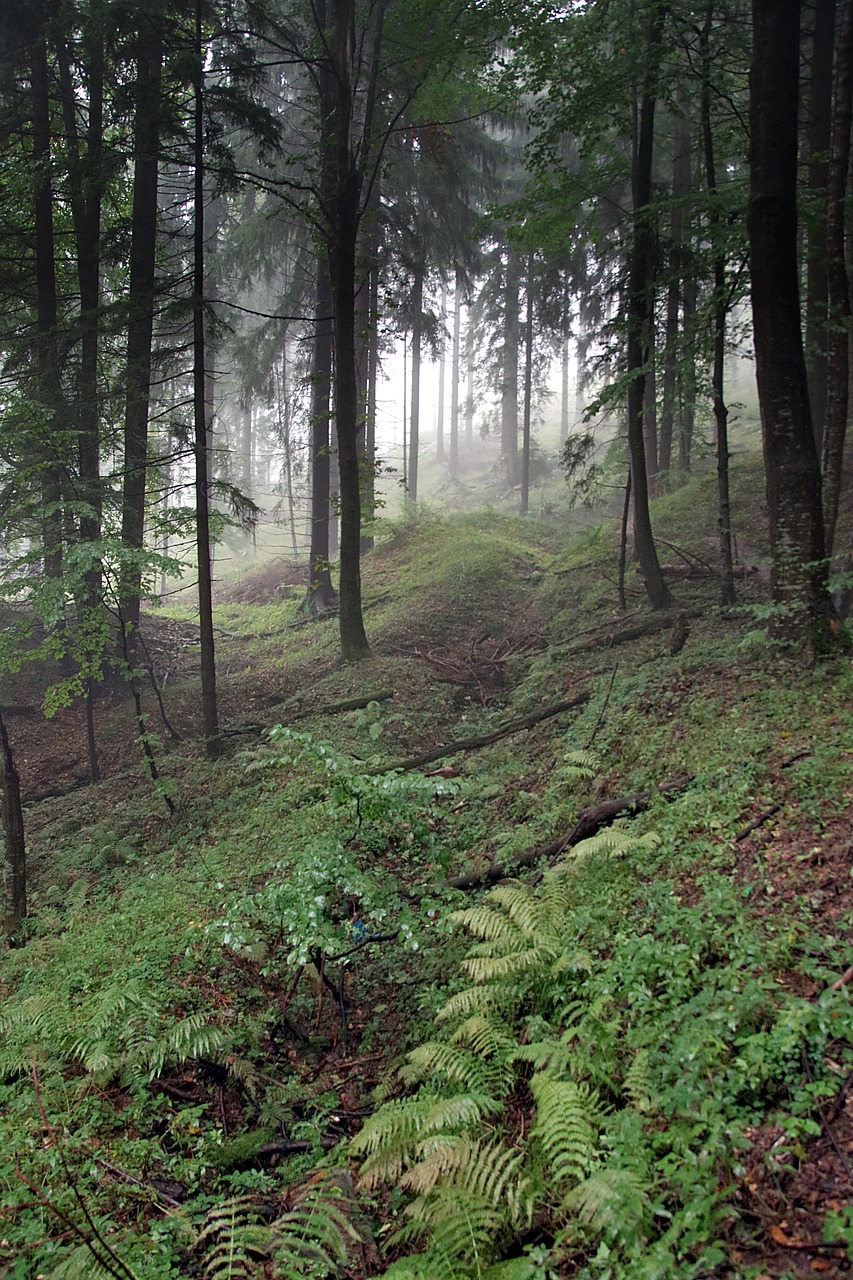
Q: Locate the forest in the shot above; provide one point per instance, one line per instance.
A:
(426, 758)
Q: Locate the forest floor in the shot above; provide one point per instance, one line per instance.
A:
(167, 1045)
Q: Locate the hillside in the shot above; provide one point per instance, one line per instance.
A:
(245, 1039)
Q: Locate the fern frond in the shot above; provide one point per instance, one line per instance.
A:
(567, 1120)
(437, 1060)
(611, 1201)
(80, 1264)
(486, 1170)
(638, 1085)
(389, 1136)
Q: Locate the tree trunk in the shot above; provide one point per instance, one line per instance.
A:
(15, 857)
(453, 460)
(86, 181)
(202, 425)
(346, 190)
(284, 401)
(369, 477)
(509, 386)
(321, 594)
(720, 306)
(680, 187)
(442, 373)
(528, 389)
(415, 413)
(687, 376)
(143, 244)
(639, 306)
(469, 368)
(246, 478)
(817, 285)
(791, 464)
(564, 376)
(839, 288)
(48, 391)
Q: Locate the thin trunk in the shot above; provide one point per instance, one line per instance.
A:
(442, 373)
(680, 187)
(819, 142)
(369, 477)
(564, 384)
(650, 395)
(687, 376)
(790, 458)
(453, 460)
(469, 399)
(509, 385)
(284, 400)
(321, 594)
(141, 296)
(405, 418)
(639, 276)
(528, 389)
(721, 413)
(839, 285)
(345, 185)
(203, 426)
(86, 181)
(48, 391)
(15, 855)
(623, 541)
(415, 414)
(246, 483)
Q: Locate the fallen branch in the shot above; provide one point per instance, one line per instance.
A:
(757, 822)
(333, 709)
(588, 822)
(484, 739)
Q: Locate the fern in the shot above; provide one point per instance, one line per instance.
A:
(567, 1118)
(611, 1201)
(317, 1232)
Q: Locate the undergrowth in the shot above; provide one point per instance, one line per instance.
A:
(219, 1019)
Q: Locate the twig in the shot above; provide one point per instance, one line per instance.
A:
(144, 1186)
(591, 739)
(170, 729)
(843, 980)
(688, 557)
(359, 946)
(588, 822)
(120, 1268)
(757, 822)
(485, 739)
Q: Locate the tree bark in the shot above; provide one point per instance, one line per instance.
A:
(415, 412)
(453, 458)
(141, 298)
(509, 385)
(639, 275)
(86, 182)
(321, 597)
(442, 373)
(720, 310)
(817, 284)
(469, 369)
(201, 422)
(792, 471)
(15, 856)
(839, 287)
(680, 187)
(528, 389)
(48, 390)
(345, 187)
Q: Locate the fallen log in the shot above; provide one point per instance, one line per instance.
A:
(588, 822)
(333, 709)
(484, 739)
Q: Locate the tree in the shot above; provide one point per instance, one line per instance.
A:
(638, 314)
(792, 470)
